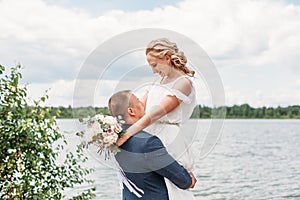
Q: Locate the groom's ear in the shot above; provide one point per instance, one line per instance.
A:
(130, 111)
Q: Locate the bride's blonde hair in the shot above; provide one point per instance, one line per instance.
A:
(162, 47)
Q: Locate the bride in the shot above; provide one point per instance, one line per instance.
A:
(169, 104)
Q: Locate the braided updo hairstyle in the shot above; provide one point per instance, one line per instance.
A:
(162, 47)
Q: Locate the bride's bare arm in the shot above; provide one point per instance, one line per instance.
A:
(168, 104)
(144, 98)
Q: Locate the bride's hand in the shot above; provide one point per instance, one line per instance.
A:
(122, 139)
(194, 180)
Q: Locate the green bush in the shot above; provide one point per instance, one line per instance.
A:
(28, 161)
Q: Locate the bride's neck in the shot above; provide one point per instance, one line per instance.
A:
(174, 74)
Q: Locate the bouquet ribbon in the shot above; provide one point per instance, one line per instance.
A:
(124, 180)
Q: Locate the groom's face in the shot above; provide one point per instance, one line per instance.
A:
(137, 106)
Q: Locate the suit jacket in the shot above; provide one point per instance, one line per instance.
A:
(146, 162)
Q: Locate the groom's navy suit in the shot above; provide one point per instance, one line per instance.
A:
(146, 162)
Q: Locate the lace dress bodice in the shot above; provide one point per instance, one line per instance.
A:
(185, 109)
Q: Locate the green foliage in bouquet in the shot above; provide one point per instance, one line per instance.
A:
(29, 167)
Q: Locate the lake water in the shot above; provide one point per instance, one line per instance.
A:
(253, 159)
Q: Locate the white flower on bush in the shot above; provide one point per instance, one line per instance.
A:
(110, 120)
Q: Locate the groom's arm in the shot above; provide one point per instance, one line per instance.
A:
(160, 161)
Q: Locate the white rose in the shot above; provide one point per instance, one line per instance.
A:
(110, 120)
(112, 139)
(115, 137)
(105, 134)
(109, 140)
(99, 117)
(106, 139)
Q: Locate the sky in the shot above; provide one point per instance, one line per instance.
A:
(253, 44)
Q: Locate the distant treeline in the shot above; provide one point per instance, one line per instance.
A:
(243, 111)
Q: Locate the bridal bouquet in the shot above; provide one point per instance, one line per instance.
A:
(103, 132)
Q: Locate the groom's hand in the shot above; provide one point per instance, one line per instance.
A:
(194, 180)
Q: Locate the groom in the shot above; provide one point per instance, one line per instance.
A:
(143, 157)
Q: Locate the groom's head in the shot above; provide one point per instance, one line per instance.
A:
(126, 105)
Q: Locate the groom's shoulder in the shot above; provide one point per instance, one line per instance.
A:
(145, 136)
(150, 142)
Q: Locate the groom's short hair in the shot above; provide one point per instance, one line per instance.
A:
(118, 104)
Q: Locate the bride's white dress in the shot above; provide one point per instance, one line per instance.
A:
(168, 128)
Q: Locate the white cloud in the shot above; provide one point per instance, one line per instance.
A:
(259, 98)
(53, 42)
(60, 92)
(75, 92)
